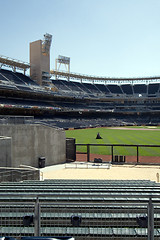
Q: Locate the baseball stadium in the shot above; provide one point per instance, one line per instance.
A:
(80, 154)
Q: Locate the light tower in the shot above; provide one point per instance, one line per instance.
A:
(40, 60)
(62, 60)
(46, 44)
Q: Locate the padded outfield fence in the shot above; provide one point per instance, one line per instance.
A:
(117, 153)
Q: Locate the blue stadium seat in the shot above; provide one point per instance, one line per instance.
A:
(140, 88)
(114, 89)
(153, 88)
(127, 89)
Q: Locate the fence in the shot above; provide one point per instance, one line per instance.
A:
(117, 153)
(88, 165)
(109, 219)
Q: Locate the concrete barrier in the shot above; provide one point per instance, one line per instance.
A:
(18, 174)
(32, 141)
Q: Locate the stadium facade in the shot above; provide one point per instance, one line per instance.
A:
(74, 100)
(64, 95)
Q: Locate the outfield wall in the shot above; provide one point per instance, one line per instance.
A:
(30, 142)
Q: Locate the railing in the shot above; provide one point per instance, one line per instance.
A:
(87, 165)
(83, 77)
(110, 219)
(112, 152)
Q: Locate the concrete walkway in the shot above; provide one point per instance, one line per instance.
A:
(66, 171)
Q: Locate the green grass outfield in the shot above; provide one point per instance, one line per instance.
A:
(118, 136)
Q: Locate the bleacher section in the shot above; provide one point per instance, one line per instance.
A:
(73, 86)
(91, 88)
(18, 103)
(103, 89)
(106, 90)
(77, 97)
(26, 79)
(127, 89)
(140, 89)
(10, 76)
(83, 209)
(115, 89)
(61, 85)
(83, 88)
(67, 123)
(18, 81)
(153, 88)
(108, 121)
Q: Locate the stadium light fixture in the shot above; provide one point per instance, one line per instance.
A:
(46, 44)
(62, 60)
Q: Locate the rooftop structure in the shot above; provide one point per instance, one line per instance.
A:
(95, 79)
(13, 63)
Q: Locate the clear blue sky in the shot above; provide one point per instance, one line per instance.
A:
(114, 38)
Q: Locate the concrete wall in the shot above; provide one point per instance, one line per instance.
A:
(35, 61)
(29, 142)
(18, 174)
(5, 152)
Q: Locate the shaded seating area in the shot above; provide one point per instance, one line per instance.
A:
(140, 88)
(26, 79)
(18, 81)
(115, 89)
(106, 89)
(18, 103)
(103, 88)
(61, 85)
(127, 89)
(153, 88)
(83, 87)
(92, 87)
(10, 76)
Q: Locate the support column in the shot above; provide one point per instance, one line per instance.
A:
(88, 152)
(150, 220)
(112, 152)
(137, 155)
(37, 219)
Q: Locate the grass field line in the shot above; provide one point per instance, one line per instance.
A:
(118, 135)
